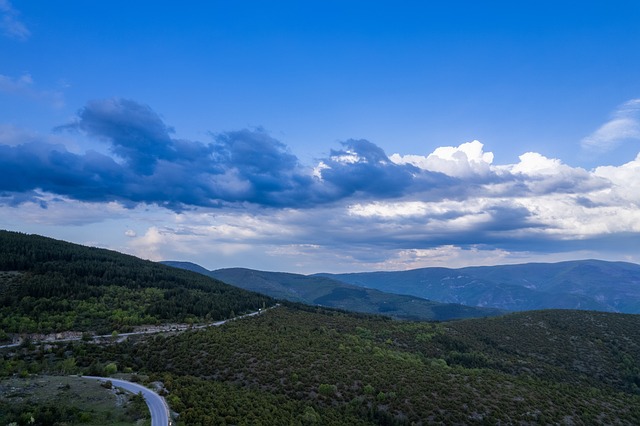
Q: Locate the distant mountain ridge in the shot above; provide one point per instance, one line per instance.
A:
(328, 292)
(583, 284)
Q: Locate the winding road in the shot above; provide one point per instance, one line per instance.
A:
(122, 336)
(157, 406)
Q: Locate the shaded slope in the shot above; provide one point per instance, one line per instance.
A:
(588, 284)
(331, 293)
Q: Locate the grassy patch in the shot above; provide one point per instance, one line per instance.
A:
(72, 399)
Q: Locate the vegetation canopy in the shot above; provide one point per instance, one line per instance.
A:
(52, 286)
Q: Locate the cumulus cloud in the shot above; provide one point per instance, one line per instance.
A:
(624, 125)
(537, 174)
(10, 22)
(135, 132)
(466, 160)
(362, 168)
(625, 189)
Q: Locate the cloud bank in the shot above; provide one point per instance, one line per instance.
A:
(244, 193)
(147, 164)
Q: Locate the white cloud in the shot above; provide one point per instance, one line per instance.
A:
(563, 203)
(448, 256)
(626, 184)
(10, 22)
(541, 175)
(348, 157)
(389, 210)
(567, 218)
(466, 160)
(532, 164)
(624, 125)
(317, 171)
(205, 234)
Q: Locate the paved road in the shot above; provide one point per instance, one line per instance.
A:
(157, 407)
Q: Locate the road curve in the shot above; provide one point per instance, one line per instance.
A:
(157, 407)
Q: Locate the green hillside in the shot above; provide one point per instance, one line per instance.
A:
(48, 285)
(315, 290)
(307, 365)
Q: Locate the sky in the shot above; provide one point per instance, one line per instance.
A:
(324, 136)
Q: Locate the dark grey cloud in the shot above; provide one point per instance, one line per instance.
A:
(48, 167)
(264, 166)
(362, 167)
(501, 226)
(135, 132)
(149, 165)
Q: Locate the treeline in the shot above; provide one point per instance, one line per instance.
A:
(49, 285)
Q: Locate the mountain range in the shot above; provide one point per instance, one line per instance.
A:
(419, 293)
(316, 290)
(583, 284)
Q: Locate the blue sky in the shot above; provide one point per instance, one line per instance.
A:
(324, 136)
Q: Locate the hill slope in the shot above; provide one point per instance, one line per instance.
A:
(307, 365)
(48, 285)
(332, 293)
(587, 284)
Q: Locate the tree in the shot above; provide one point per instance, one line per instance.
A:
(68, 366)
(111, 368)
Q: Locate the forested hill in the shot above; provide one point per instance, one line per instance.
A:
(583, 284)
(48, 285)
(322, 291)
(308, 365)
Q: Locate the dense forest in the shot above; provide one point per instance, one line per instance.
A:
(48, 285)
(307, 365)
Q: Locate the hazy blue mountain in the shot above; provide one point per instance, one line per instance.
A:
(328, 292)
(585, 284)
